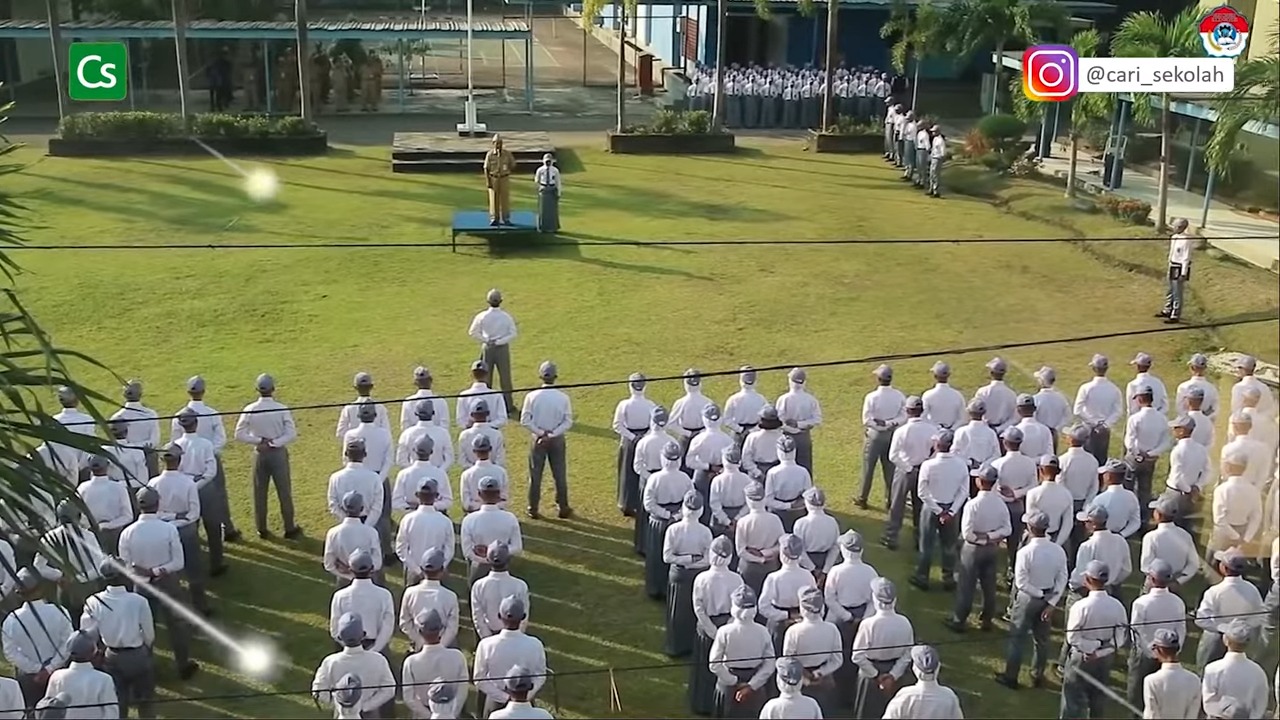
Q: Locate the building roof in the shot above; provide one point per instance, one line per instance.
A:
(1074, 6)
(414, 29)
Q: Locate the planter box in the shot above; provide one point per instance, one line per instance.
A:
(821, 142)
(671, 144)
(93, 147)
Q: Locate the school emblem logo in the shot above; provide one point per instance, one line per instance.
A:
(1225, 32)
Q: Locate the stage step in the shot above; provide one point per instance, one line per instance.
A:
(455, 164)
(477, 155)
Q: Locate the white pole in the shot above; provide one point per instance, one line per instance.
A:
(471, 97)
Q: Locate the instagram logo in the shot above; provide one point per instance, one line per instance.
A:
(1049, 73)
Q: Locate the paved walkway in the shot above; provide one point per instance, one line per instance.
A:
(1253, 239)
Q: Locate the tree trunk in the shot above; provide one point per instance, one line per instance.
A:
(1162, 198)
(828, 90)
(915, 84)
(55, 41)
(180, 48)
(622, 65)
(304, 60)
(995, 90)
(717, 100)
(1071, 165)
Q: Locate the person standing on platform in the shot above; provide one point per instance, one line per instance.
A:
(944, 406)
(494, 329)
(881, 652)
(943, 488)
(663, 499)
(423, 381)
(1172, 691)
(911, 445)
(648, 461)
(742, 659)
(631, 422)
(1053, 410)
(705, 456)
(1097, 627)
(742, 409)
(686, 548)
(1180, 246)
(800, 413)
(1099, 406)
(847, 593)
(499, 163)
(547, 414)
(712, 600)
(883, 410)
(1156, 611)
(122, 620)
(984, 524)
(756, 539)
(268, 426)
(547, 178)
(1040, 578)
(686, 413)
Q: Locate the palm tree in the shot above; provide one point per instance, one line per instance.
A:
(1149, 34)
(180, 45)
(918, 34)
(304, 59)
(1256, 99)
(55, 40)
(976, 25)
(1087, 109)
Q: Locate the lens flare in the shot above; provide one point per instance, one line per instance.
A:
(256, 658)
(261, 184)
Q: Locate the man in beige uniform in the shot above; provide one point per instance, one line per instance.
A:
(498, 165)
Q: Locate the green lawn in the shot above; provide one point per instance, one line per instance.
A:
(312, 317)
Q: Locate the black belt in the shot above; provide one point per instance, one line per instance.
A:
(694, 431)
(670, 507)
(730, 508)
(124, 649)
(747, 426)
(545, 187)
(946, 507)
(812, 667)
(640, 431)
(856, 610)
(787, 501)
(785, 609)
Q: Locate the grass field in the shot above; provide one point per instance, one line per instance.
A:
(312, 317)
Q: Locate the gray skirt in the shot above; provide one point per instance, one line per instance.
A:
(548, 210)
(702, 483)
(754, 573)
(682, 625)
(847, 676)
(729, 708)
(702, 682)
(628, 478)
(656, 572)
(872, 701)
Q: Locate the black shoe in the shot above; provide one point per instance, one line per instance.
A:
(860, 504)
(265, 534)
(1172, 321)
(186, 672)
(295, 532)
(565, 513)
(628, 513)
(218, 571)
(533, 513)
(890, 544)
(1007, 682)
(918, 583)
(1037, 682)
(232, 537)
(955, 626)
(1161, 314)
(494, 223)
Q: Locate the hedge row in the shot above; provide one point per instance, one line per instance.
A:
(162, 126)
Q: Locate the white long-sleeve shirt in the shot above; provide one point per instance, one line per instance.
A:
(1266, 400)
(1188, 466)
(742, 645)
(1097, 625)
(1056, 503)
(547, 411)
(404, 492)
(785, 484)
(1157, 609)
(422, 668)
(816, 644)
(378, 685)
(35, 637)
(1146, 432)
(760, 448)
(743, 408)
(758, 530)
(1180, 251)
(79, 546)
(632, 415)
(686, 412)
(1234, 598)
(425, 595)
(107, 502)
(441, 445)
(497, 654)
(713, 596)
(1173, 545)
(349, 416)
(944, 481)
(976, 442)
(85, 685)
(884, 408)
(1040, 570)
(209, 426)
(791, 706)
(421, 530)
(1123, 514)
(379, 448)
(1052, 409)
(944, 406)
(1037, 438)
(344, 539)
(924, 699)
(1210, 404)
(1001, 402)
(1159, 396)
(1078, 472)
(1171, 693)
(1098, 402)
(848, 586)
(498, 452)
(487, 525)
(780, 593)
(409, 410)
(819, 532)
(493, 326)
(798, 406)
(1258, 458)
(493, 399)
(1106, 547)
(883, 636)
(469, 485)
(355, 477)
(985, 519)
(122, 619)
(687, 544)
(487, 595)
(12, 706)
(912, 443)
(143, 425)
(728, 496)
(706, 448)
(152, 544)
(199, 459)
(1234, 676)
(266, 419)
(179, 498)
(1237, 510)
(374, 605)
(548, 176)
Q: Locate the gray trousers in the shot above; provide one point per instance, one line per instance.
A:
(193, 565)
(908, 152)
(1211, 648)
(179, 631)
(152, 460)
(890, 145)
(1143, 472)
(1140, 666)
(552, 451)
(904, 487)
(921, 167)
(935, 183)
(1026, 620)
(1099, 443)
(944, 537)
(383, 526)
(272, 466)
(1080, 698)
(876, 450)
(32, 689)
(804, 449)
(214, 515)
(978, 566)
(497, 358)
(1173, 295)
(134, 673)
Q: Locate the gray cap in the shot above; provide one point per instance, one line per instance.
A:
(67, 512)
(693, 501)
(797, 375)
(133, 390)
(722, 546)
(360, 562)
(1160, 571)
(442, 693)
(518, 679)
(421, 372)
(265, 383)
(941, 369)
(425, 410)
(350, 629)
(790, 671)
(1167, 505)
(711, 412)
(658, 415)
(985, 472)
(493, 297)
(731, 455)
(348, 691)
(811, 599)
(1238, 631)
(1141, 360)
(480, 407)
(1026, 400)
(99, 464)
(1196, 392)
(1097, 570)
(367, 412)
(883, 591)
(81, 646)
(814, 497)
(1046, 375)
(1233, 559)
(426, 446)
(353, 503)
(1142, 389)
(754, 491)
(944, 439)
(481, 443)
(433, 559)
(1165, 638)
(1198, 361)
(499, 553)
(1099, 362)
(427, 486)
(512, 608)
(925, 659)
(851, 540)
(362, 379)
(1247, 363)
(1080, 433)
(997, 365)
(743, 597)
(547, 370)
(66, 395)
(28, 579)
(1011, 434)
(172, 451)
(54, 707)
(1114, 466)
(671, 451)
(1230, 708)
(769, 412)
(884, 372)
(791, 546)
(914, 403)
(489, 483)
(786, 444)
(1242, 418)
(148, 499)
(479, 365)
(747, 375)
(636, 378)
(429, 621)
(1037, 521)
(1049, 461)
(692, 377)
(195, 384)
(1096, 514)
(976, 407)
(109, 568)
(355, 445)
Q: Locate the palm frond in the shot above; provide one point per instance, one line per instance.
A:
(1024, 108)
(1256, 98)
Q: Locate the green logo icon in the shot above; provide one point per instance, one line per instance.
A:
(98, 71)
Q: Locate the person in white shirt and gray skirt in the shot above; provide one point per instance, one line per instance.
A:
(547, 178)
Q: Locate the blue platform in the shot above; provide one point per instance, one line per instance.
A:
(476, 222)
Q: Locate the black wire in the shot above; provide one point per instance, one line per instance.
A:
(866, 359)
(650, 667)
(568, 242)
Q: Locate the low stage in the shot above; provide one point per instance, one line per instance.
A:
(449, 152)
(476, 222)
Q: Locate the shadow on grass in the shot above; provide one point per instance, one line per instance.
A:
(511, 246)
(974, 181)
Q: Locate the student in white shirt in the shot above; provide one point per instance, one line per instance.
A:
(547, 178)
(1179, 271)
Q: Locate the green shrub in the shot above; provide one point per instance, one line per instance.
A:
(1134, 212)
(674, 122)
(697, 122)
(1002, 130)
(846, 125)
(665, 122)
(162, 126)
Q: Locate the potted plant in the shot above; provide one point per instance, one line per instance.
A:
(672, 133)
(848, 135)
